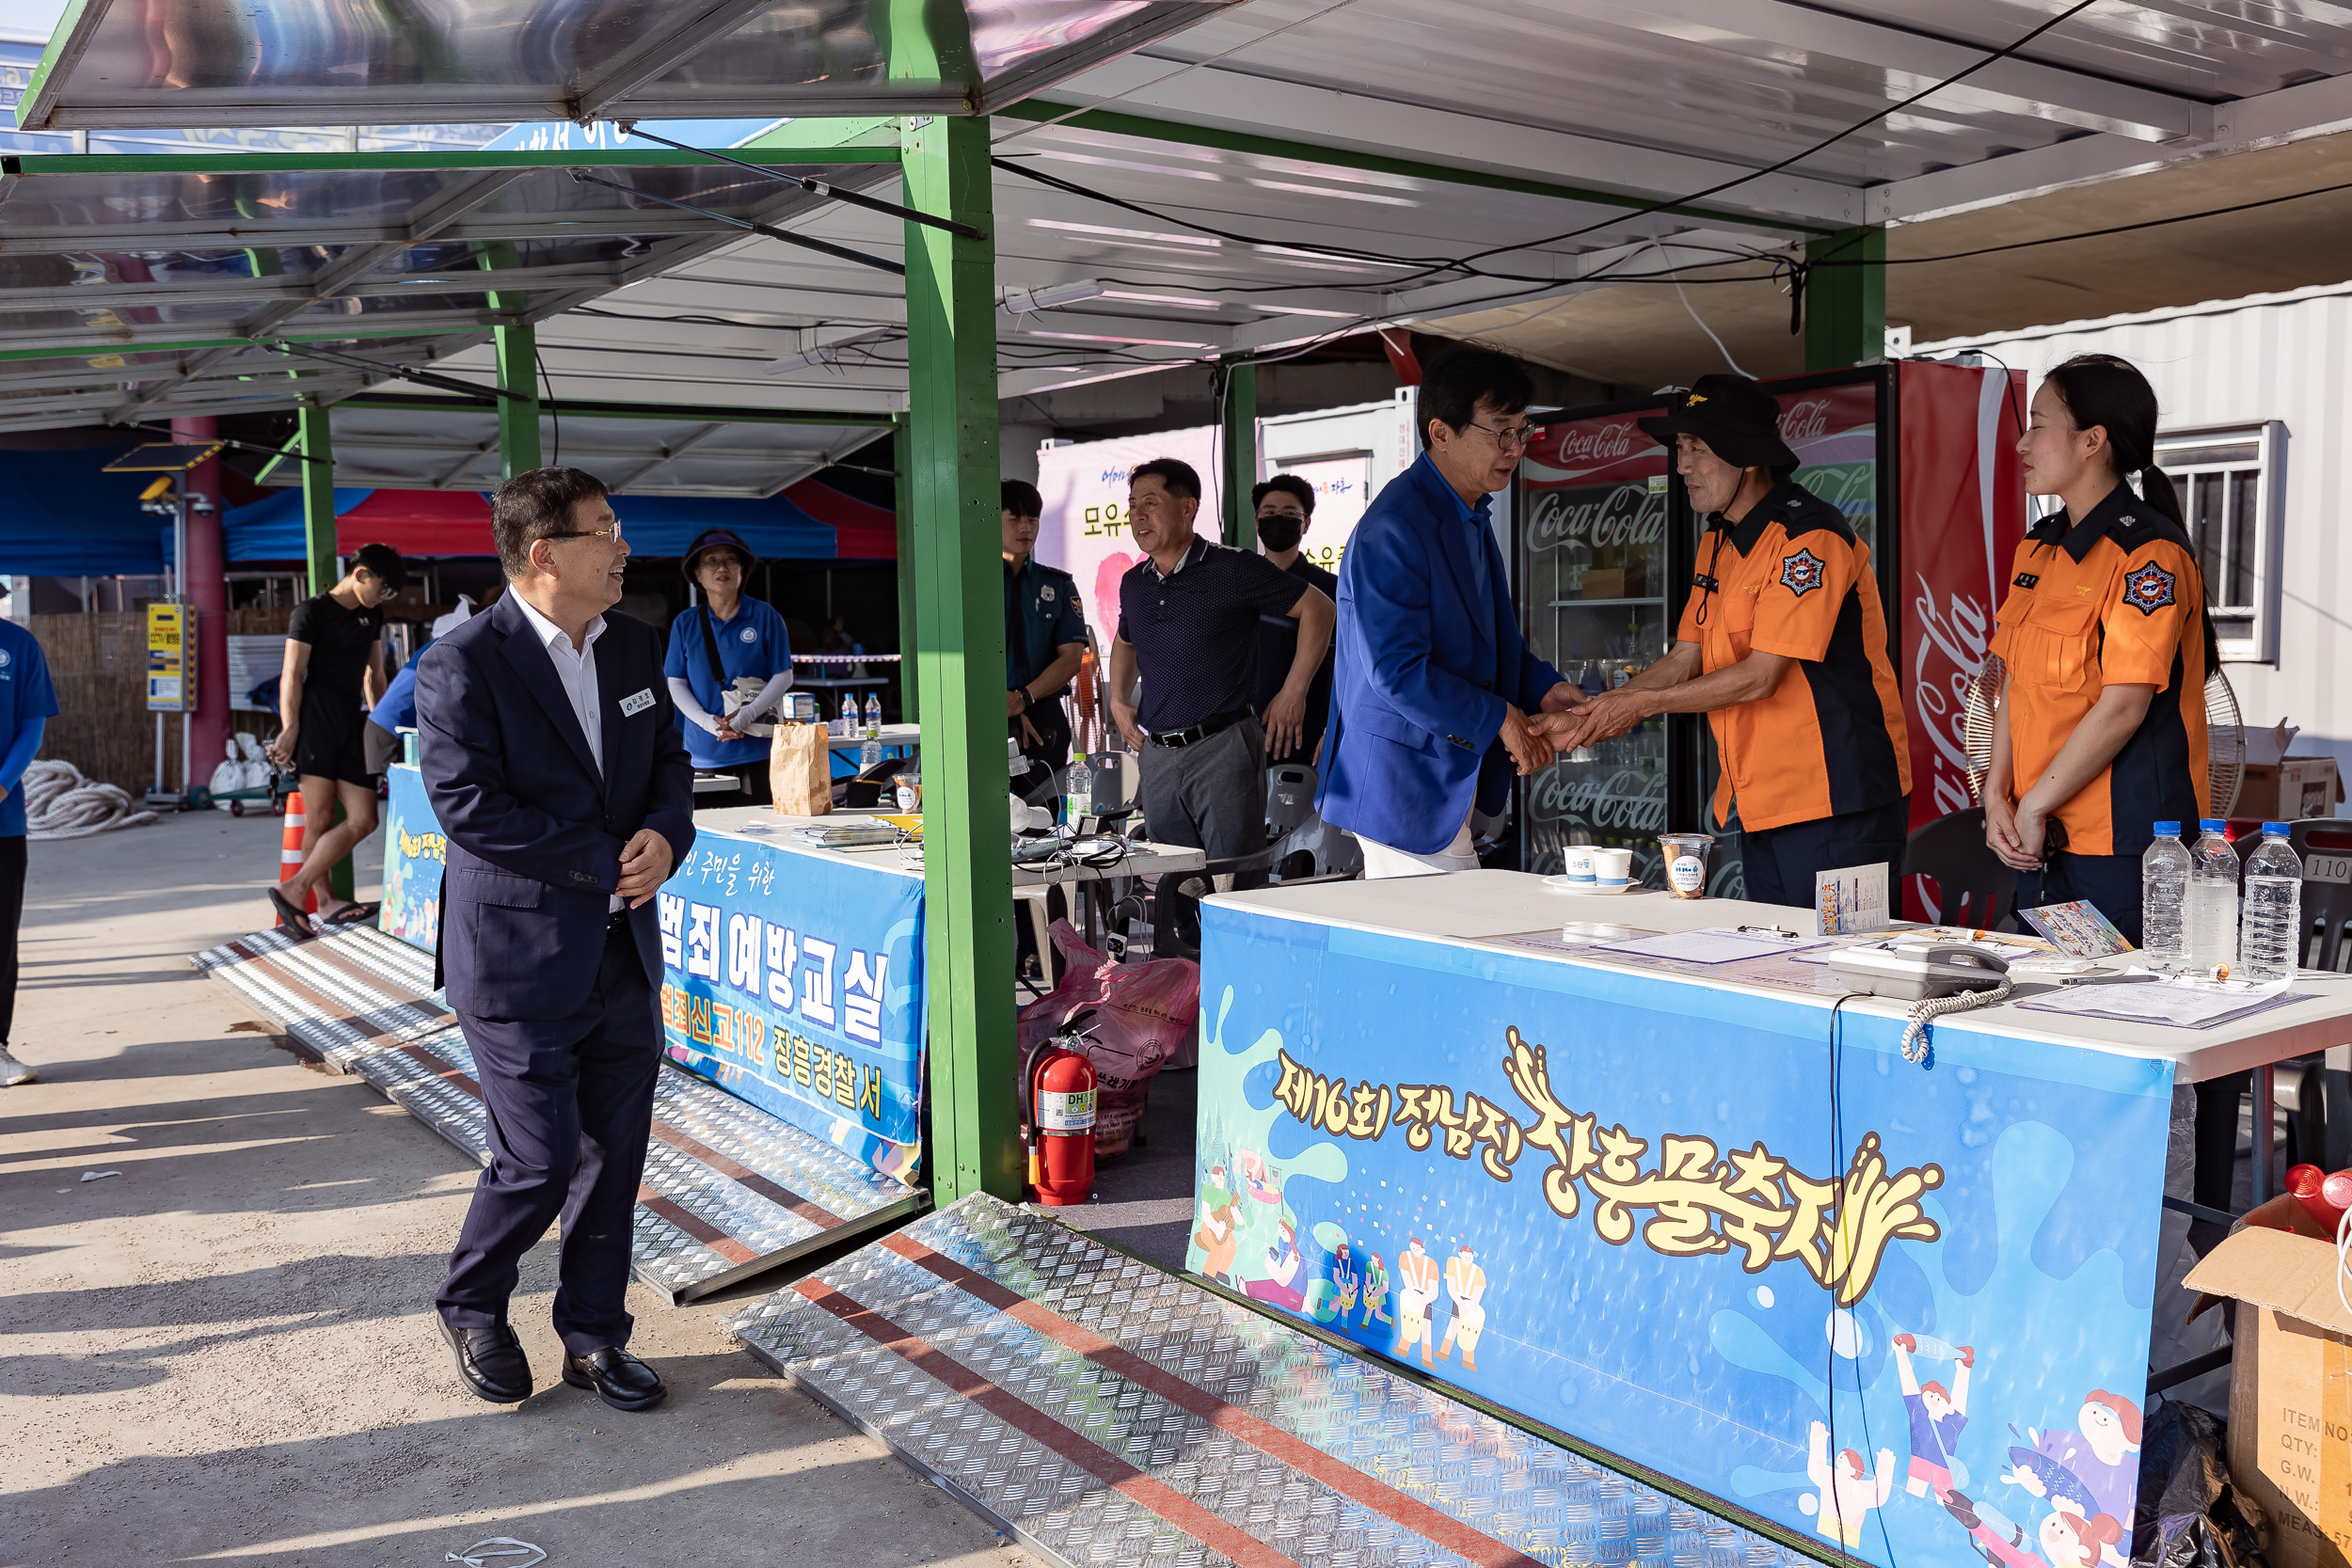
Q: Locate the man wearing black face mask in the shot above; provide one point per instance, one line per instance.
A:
(1286, 504)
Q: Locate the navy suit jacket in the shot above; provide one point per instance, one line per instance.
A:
(1423, 669)
(534, 830)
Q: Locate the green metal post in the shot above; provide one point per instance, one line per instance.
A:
(960, 663)
(1239, 442)
(518, 415)
(318, 496)
(902, 465)
(1845, 304)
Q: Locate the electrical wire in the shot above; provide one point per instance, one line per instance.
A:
(547, 387)
(1702, 324)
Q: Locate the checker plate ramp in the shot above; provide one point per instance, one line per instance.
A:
(1106, 1411)
(728, 1192)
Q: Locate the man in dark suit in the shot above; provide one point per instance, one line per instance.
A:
(550, 751)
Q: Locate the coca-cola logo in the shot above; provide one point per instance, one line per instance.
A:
(1586, 443)
(1807, 419)
(1625, 799)
(1596, 515)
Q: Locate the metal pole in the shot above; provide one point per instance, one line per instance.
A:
(318, 499)
(902, 464)
(518, 415)
(1239, 440)
(953, 486)
(1844, 299)
(2266, 1135)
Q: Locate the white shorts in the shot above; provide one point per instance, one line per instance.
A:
(1382, 861)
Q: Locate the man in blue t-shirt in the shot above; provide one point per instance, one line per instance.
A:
(27, 702)
(728, 666)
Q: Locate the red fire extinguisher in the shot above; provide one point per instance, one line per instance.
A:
(1060, 1085)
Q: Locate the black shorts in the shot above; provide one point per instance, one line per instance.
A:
(331, 745)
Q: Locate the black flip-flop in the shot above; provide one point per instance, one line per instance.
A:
(353, 914)
(290, 913)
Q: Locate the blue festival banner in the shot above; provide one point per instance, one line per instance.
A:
(1902, 1310)
(415, 856)
(795, 981)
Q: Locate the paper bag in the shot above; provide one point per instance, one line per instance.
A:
(799, 771)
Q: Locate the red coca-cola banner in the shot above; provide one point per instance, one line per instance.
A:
(1963, 510)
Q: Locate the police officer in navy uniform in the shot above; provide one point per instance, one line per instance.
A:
(1045, 634)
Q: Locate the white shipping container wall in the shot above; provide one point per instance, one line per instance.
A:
(2237, 363)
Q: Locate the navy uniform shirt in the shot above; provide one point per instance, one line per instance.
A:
(1278, 645)
(1041, 615)
(25, 697)
(752, 642)
(1195, 631)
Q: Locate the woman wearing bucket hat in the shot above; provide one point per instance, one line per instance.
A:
(1783, 647)
(730, 665)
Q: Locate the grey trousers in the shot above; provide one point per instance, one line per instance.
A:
(1209, 796)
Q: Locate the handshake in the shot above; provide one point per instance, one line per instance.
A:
(1568, 720)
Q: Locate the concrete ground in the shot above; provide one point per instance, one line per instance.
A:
(227, 1353)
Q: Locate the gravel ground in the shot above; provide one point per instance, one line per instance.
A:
(227, 1352)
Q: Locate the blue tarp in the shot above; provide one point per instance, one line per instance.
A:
(60, 516)
(774, 528)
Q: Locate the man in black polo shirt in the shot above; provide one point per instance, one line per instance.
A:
(1188, 623)
(1286, 506)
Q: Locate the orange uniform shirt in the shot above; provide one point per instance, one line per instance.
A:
(1791, 578)
(2115, 597)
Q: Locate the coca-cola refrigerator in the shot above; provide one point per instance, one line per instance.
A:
(1921, 457)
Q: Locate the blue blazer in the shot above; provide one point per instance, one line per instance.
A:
(1422, 672)
(535, 831)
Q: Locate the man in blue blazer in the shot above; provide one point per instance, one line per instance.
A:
(1433, 683)
(550, 751)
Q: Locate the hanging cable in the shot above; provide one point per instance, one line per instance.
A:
(1702, 324)
(812, 185)
(827, 248)
(546, 388)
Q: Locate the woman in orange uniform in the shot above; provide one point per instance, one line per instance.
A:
(2101, 731)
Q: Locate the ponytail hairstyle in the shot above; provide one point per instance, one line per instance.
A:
(2102, 390)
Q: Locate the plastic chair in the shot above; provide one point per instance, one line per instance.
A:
(1952, 853)
(1290, 797)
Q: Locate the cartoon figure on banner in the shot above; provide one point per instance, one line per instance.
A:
(1282, 1266)
(2093, 1469)
(1259, 1177)
(1376, 1292)
(1417, 1290)
(2068, 1539)
(1219, 1235)
(1847, 1493)
(1346, 1280)
(1938, 1414)
(1466, 1282)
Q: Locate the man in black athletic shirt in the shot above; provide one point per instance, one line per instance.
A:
(334, 672)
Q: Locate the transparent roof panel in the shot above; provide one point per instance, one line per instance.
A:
(129, 63)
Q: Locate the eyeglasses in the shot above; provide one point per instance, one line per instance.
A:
(1513, 439)
(613, 533)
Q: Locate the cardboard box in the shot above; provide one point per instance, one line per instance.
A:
(2289, 790)
(1604, 582)
(2290, 1390)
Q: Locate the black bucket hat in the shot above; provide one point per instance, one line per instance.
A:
(1738, 421)
(716, 539)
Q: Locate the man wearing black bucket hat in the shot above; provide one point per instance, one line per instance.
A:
(1783, 647)
(729, 667)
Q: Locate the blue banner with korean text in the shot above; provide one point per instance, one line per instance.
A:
(794, 980)
(1902, 1310)
(415, 857)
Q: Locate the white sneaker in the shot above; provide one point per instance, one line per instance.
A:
(13, 1072)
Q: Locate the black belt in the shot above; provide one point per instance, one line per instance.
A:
(1194, 735)
(616, 922)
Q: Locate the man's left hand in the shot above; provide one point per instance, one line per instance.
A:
(1285, 724)
(645, 861)
(1563, 698)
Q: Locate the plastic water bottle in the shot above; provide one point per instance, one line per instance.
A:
(2272, 946)
(2163, 893)
(849, 717)
(2211, 913)
(873, 713)
(1080, 780)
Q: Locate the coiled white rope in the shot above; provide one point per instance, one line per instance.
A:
(60, 802)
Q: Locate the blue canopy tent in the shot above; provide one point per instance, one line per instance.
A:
(61, 517)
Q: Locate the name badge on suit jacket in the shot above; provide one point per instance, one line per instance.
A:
(637, 703)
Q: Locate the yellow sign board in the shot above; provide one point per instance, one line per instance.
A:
(170, 660)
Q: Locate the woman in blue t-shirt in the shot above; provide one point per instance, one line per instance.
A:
(730, 665)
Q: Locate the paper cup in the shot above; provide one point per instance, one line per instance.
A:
(1613, 870)
(1686, 856)
(1576, 864)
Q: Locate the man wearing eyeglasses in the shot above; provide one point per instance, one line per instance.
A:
(1433, 683)
(550, 751)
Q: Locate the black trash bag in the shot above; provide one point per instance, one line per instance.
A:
(2189, 1514)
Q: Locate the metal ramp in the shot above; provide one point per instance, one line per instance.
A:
(729, 1191)
(1106, 1411)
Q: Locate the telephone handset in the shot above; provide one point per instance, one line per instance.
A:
(1918, 970)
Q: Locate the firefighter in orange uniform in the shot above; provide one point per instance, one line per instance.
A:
(2101, 731)
(1783, 647)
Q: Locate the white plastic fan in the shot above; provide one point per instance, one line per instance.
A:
(2225, 740)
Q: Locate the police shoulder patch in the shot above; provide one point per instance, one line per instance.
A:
(2149, 589)
(1802, 572)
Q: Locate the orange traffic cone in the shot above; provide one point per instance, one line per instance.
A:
(291, 850)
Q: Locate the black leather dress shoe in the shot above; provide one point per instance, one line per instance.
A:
(491, 1361)
(619, 1378)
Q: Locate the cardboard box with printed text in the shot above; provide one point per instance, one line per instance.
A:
(2290, 1389)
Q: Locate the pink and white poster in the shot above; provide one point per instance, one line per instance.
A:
(1083, 528)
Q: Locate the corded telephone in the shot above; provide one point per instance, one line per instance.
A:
(1918, 970)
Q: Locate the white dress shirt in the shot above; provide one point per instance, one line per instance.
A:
(577, 669)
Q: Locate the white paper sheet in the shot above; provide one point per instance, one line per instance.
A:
(1713, 944)
(2176, 1007)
